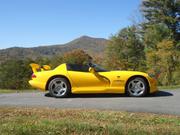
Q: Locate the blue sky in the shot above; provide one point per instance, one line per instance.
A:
(30, 23)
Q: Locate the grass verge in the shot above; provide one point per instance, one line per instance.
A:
(15, 91)
(169, 87)
(46, 121)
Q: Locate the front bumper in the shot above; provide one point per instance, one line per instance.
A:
(153, 85)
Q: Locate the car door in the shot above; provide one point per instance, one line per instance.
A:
(84, 80)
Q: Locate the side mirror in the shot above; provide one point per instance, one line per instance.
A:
(92, 70)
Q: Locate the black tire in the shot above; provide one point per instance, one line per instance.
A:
(59, 87)
(137, 87)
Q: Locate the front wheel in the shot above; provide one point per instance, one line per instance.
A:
(59, 87)
(136, 87)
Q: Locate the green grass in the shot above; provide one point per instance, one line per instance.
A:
(169, 87)
(46, 121)
(15, 91)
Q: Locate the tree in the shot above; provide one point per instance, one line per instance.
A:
(168, 59)
(56, 61)
(15, 74)
(42, 60)
(165, 12)
(76, 56)
(153, 35)
(161, 37)
(125, 50)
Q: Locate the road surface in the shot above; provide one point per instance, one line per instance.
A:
(163, 102)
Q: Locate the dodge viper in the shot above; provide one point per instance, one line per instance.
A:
(69, 79)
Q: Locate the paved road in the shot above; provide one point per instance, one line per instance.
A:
(165, 102)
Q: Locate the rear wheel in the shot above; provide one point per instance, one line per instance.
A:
(137, 87)
(59, 87)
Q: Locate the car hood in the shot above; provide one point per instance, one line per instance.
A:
(121, 72)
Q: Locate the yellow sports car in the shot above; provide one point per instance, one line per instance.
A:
(90, 78)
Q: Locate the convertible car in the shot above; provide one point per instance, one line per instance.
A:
(69, 79)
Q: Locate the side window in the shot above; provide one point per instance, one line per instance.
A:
(76, 67)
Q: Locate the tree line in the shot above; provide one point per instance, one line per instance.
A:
(152, 45)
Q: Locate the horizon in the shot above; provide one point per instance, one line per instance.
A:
(45, 45)
(33, 23)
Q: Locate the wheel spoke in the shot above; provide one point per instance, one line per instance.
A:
(55, 84)
(142, 88)
(133, 84)
(61, 91)
(138, 83)
(135, 93)
(62, 84)
(139, 90)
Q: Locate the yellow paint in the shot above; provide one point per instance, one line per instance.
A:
(89, 82)
(34, 67)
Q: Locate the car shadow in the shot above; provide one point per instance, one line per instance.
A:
(160, 94)
(91, 95)
(157, 94)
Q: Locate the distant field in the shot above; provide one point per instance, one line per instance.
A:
(46, 121)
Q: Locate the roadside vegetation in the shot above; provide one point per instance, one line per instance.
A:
(16, 91)
(36, 121)
(151, 45)
(171, 87)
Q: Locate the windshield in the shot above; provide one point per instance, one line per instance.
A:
(98, 68)
(85, 67)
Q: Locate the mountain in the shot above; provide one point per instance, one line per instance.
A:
(92, 46)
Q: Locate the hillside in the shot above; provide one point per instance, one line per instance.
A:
(91, 45)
